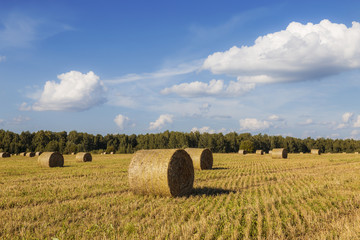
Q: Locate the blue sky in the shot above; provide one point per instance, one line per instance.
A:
(274, 67)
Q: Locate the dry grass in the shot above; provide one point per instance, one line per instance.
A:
(243, 197)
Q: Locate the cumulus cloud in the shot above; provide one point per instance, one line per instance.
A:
(275, 118)
(161, 121)
(253, 124)
(75, 92)
(207, 129)
(122, 121)
(300, 52)
(346, 117)
(357, 122)
(213, 88)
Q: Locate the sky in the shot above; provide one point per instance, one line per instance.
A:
(288, 68)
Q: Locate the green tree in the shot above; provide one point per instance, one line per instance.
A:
(248, 146)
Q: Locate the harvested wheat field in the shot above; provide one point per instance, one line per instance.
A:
(242, 197)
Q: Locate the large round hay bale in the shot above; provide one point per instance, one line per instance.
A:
(242, 152)
(279, 153)
(51, 159)
(84, 157)
(5, 154)
(38, 153)
(315, 151)
(165, 172)
(202, 158)
(259, 152)
(30, 154)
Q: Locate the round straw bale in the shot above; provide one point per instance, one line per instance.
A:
(242, 152)
(301, 152)
(23, 154)
(72, 153)
(30, 154)
(279, 153)
(202, 158)
(315, 151)
(111, 152)
(38, 153)
(259, 152)
(84, 157)
(5, 155)
(165, 172)
(270, 152)
(51, 159)
(356, 152)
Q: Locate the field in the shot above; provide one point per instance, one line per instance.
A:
(243, 197)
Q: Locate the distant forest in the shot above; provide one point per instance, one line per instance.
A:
(120, 143)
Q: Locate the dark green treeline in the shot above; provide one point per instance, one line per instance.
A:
(120, 143)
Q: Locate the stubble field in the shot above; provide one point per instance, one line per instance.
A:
(243, 197)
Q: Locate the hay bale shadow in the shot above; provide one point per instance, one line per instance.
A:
(208, 191)
(218, 168)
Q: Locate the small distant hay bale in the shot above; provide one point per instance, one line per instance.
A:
(344, 153)
(5, 155)
(104, 153)
(315, 151)
(270, 152)
(164, 172)
(301, 152)
(84, 157)
(51, 159)
(279, 153)
(202, 158)
(259, 152)
(356, 152)
(111, 152)
(22, 154)
(38, 153)
(30, 154)
(242, 152)
(72, 153)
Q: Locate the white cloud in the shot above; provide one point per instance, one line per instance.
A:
(357, 122)
(163, 73)
(300, 52)
(19, 120)
(355, 133)
(25, 107)
(340, 126)
(20, 31)
(307, 122)
(75, 92)
(207, 129)
(274, 117)
(2, 121)
(213, 88)
(161, 121)
(203, 130)
(253, 124)
(346, 117)
(122, 121)
(2, 58)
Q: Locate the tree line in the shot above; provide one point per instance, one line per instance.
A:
(74, 141)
